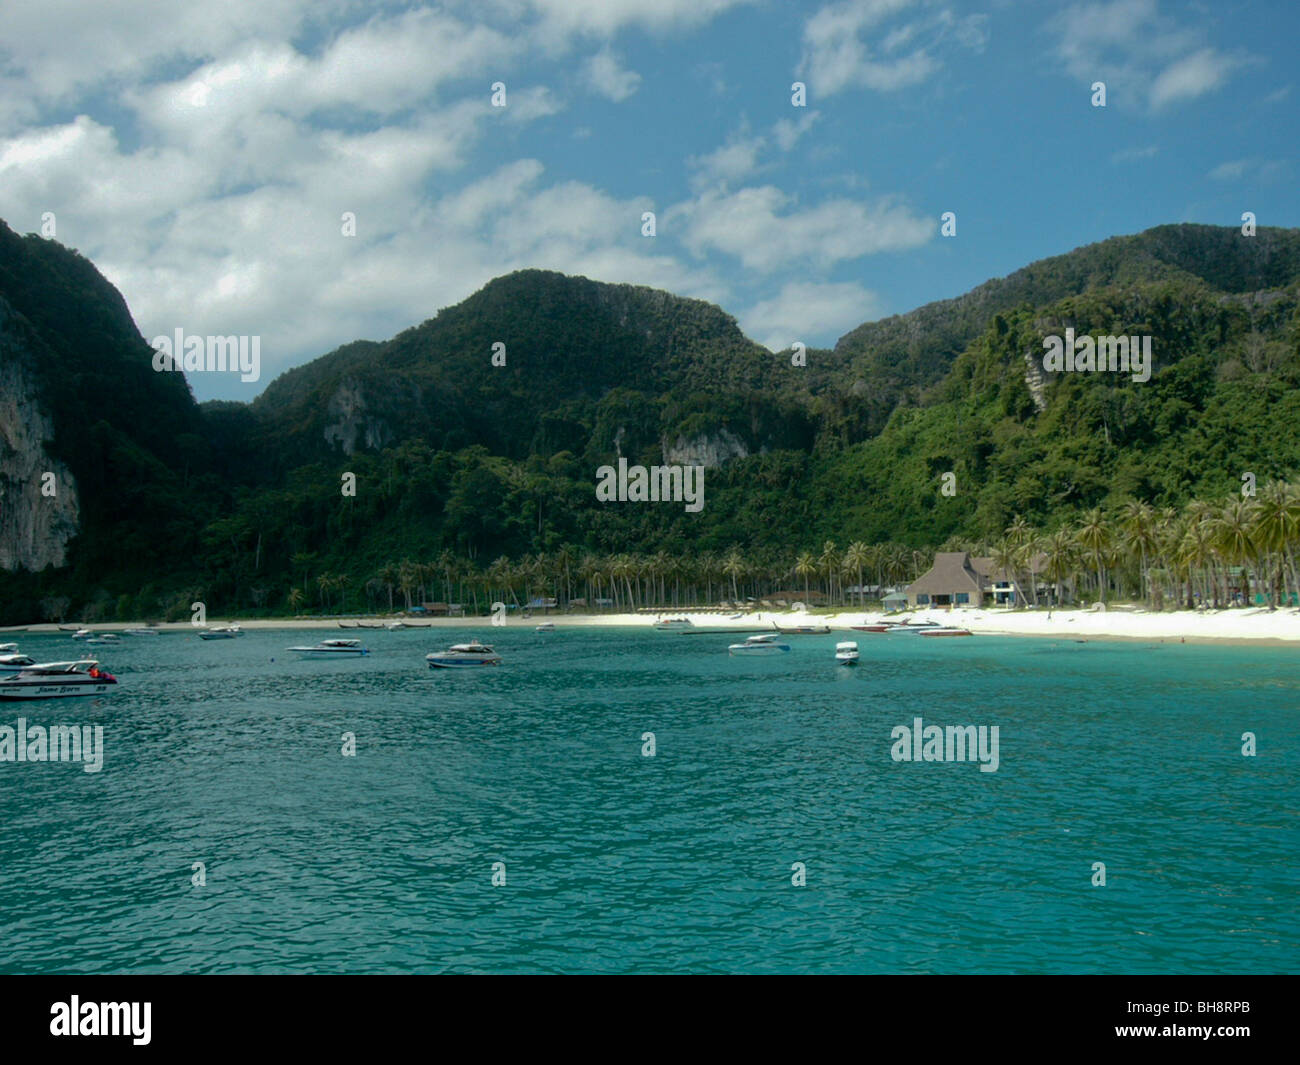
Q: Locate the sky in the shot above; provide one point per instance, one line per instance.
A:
(204, 155)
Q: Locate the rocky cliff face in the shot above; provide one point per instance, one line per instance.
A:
(39, 514)
(350, 423)
(709, 450)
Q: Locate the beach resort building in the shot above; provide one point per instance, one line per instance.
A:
(959, 579)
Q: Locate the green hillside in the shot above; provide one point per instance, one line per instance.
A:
(462, 466)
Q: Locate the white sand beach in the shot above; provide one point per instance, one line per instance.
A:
(1244, 625)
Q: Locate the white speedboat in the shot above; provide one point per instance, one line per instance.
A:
(141, 632)
(803, 630)
(332, 649)
(846, 653)
(545, 626)
(221, 632)
(393, 626)
(759, 645)
(913, 627)
(673, 625)
(58, 680)
(8, 648)
(15, 662)
(463, 654)
(105, 637)
(82, 634)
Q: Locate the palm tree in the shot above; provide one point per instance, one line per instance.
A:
(1094, 537)
(1277, 521)
(732, 566)
(1062, 553)
(829, 564)
(857, 556)
(805, 566)
(1137, 522)
(1233, 529)
(1006, 557)
(295, 599)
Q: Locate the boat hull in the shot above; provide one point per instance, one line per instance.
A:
(11, 692)
(461, 663)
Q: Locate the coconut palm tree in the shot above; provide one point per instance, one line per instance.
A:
(1094, 537)
(805, 566)
(1061, 549)
(856, 557)
(1233, 529)
(1137, 522)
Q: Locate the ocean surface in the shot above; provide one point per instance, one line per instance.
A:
(228, 753)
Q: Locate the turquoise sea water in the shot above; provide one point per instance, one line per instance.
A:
(1122, 753)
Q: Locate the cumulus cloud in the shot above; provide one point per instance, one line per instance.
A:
(765, 231)
(811, 312)
(839, 54)
(1145, 58)
(609, 78)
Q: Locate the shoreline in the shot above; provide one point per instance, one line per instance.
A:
(1248, 625)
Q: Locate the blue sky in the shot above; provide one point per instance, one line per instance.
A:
(203, 155)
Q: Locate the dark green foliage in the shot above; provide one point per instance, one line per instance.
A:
(452, 456)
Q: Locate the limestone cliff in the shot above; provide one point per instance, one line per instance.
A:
(35, 525)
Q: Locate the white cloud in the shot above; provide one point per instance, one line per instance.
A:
(1131, 155)
(1144, 57)
(809, 311)
(837, 56)
(1258, 169)
(755, 226)
(1190, 77)
(606, 76)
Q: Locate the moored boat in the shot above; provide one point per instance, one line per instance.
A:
(545, 626)
(461, 655)
(105, 637)
(82, 634)
(673, 625)
(880, 626)
(14, 663)
(142, 632)
(58, 680)
(221, 632)
(803, 630)
(332, 649)
(945, 630)
(846, 653)
(765, 644)
(8, 648)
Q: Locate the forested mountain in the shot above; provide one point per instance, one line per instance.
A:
(466, 462)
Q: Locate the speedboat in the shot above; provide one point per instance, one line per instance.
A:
(673, 625)
(804, 630)
(913, 626)
(945, 630)
(105, 637)
(846, 653)
(463, 654)
(8, 648)
(393, 626)
(82, 634)
(759, 645)
(332, 649)
(880, 626)
(221, 632)
(58, 680)
(142, 632)
(545, 626)
(15, 662)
